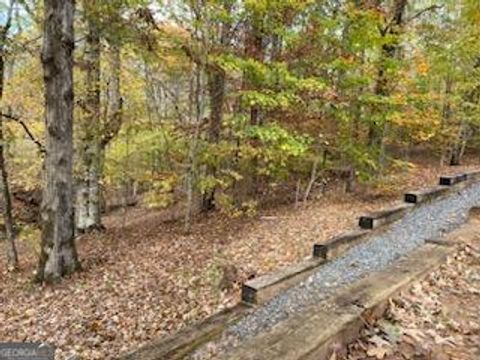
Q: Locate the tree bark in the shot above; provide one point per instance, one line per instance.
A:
(114, 119)
(216, 81)
(383, 84)
(12, 257)
(89, 197)
(58, 254)
(254, 49)
(458, 146)
(113, 115)
(216, 88)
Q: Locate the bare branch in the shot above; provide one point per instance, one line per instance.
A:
(41, 148)
(5, 28)
(391, 23)
(423, 11)
(30, 11)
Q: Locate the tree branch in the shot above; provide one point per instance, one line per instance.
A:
(8, 23)
(41, 148)
(387, 28)
(197, 59)
(423, 11)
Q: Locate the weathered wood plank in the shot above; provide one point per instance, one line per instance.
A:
(378, 218)
(473, 175)
(337, 245)
(314, 333)
(449, 180)
(263, 288)
(419, 196)
(317, 331)
(178, 345)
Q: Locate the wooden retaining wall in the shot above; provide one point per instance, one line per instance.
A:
(263, 288)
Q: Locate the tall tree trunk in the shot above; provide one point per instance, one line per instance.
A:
(254, 50)
(114, 119)
(88, 203)
(58, 255)
(113, 112)
(460, 143)
(390, 50)
(192, 153)
(12, 257)
(447, 114)
(464, 131)
(458, 147)
(216, 79)
(94, 189)
(216, 89)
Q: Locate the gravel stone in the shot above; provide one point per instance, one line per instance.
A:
(427, 221)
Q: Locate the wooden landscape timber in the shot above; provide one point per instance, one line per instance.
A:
(337, 245)
(263, 288)
(473, 175)
(379, 218)
(179, 345)
(313, 334)
(446, 181)
(319, 331)
(428, 194)
(449, 180)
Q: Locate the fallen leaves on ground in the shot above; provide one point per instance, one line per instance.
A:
(436, 319)
(143, 279)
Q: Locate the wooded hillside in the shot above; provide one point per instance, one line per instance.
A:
(209, 104)
(205, 105)
(201, 107)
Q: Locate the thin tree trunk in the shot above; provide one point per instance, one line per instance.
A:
(12, 256)
(297, 193)
(114, 120)
(216, 88)
(446, 116)
(89, 214)
(313, 178)
(254, 50)
(112, 123)
(192, 154)
(458, 147)
(153, 104)
(58, 255)
(94, 190)
(394, 27)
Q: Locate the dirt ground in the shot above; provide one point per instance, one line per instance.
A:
(436, 319)
(143, 278)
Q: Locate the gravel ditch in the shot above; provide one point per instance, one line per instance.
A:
(424, 222)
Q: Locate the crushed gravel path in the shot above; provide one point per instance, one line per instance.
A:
(424, 222)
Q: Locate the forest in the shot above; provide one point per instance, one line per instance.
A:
(133, 132)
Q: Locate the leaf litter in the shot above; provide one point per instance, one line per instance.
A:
(144, 279)
(435, 319)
